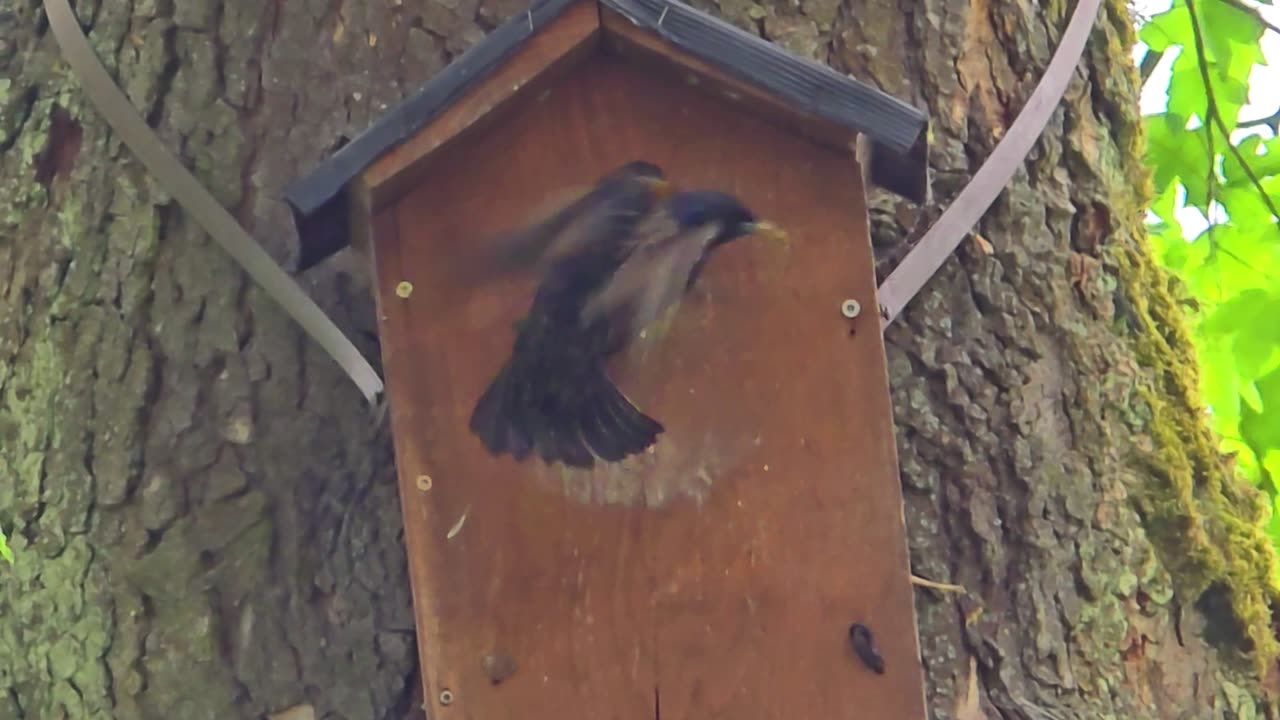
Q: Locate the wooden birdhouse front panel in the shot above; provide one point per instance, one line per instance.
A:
(718, 575)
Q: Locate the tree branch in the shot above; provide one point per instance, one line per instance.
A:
(1272, 121)
(1148, 65)
(1215, 117)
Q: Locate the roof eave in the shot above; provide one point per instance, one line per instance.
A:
(895, 129)
(317, 199)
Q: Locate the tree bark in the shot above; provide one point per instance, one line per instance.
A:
(205, 518)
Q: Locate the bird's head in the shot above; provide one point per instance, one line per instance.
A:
(643, 172)
(702, 207)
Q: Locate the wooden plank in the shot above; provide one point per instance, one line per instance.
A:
(642, 46)
(905, 174)
(542, 58)
(718, 575)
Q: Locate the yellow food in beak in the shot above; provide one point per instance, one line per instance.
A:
(768, 230)
(660, 187)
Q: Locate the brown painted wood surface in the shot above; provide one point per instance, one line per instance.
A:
(539, 60)
(648, 49)
(718, 575)
(903, 173)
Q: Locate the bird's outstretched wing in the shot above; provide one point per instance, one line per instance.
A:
(618, 266)
(561, 216)
(565, 224)
(654, 275)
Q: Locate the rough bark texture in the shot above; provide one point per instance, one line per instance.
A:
(206, 522)
(205, 517)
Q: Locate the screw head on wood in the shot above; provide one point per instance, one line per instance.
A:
(850, 308)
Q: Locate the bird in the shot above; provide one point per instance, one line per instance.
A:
(563, 227)
(629, 259)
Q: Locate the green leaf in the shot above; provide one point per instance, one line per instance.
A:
(1187, 98)
(1249, 392)
(1168, 29)
(1261, 430)
(5, 551)
(1235, 34)
(1221, 392)
(1231, 94)
(1263, 156)
(1228, 259)
(1254, 356)
(1245, 206)
(1178, 154)
(1232, 268)
(1165, 206)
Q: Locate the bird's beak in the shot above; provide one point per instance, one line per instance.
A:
(768, 230)
(660, 187)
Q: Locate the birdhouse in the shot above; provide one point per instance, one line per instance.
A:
(718, 573)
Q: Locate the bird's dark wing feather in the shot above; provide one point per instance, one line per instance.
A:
(653, 277)
(520, 248)
(595, 224)
(524, 246)
(566, 223)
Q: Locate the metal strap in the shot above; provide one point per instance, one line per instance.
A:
(130, 127)
(962, 215)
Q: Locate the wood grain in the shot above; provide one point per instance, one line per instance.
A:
(649, 51)
(719, 575)
(541, 59)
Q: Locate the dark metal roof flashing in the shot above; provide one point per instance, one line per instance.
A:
(319, 203)
(813, 88)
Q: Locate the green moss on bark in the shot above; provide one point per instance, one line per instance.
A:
(1207, 522)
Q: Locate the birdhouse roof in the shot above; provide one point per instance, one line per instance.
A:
(894, 129)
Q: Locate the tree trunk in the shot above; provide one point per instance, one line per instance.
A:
(205, 517)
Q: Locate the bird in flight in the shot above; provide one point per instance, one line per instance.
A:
(535, 246)
(610, 263)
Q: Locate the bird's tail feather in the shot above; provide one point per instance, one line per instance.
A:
(611, 425)
(590, 418)
(496, 420)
